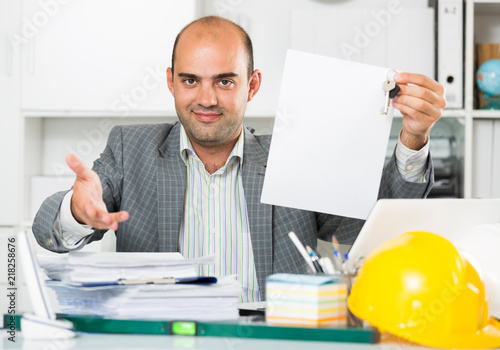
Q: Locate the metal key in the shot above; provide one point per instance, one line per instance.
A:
(391, 89)
(387, 86)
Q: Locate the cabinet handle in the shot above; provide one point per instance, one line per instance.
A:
(9, 53)
(31, 57)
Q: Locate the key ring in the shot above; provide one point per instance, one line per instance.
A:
(394, 72)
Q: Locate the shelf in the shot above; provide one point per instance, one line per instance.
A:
(167, 114)
(95, 114)
(486, 7)
(260, 114)
(446, 113)
(486, 113)
(132, 114)
(454, 113)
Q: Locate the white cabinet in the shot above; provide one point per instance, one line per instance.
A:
(100, 55)
(10, 120)
(92, 65)
(84, 66)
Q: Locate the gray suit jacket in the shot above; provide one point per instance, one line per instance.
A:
(142, 172)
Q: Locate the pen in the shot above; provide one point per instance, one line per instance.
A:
(301, 250)
(346, 263)
(326, 265)
(336, 254)
(314, 259)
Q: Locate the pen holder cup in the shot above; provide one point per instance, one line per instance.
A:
(351, 319)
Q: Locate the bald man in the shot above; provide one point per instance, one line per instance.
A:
(194, 187)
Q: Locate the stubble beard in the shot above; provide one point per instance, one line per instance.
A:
(213, 133)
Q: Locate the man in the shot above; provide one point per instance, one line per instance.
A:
(195, 186)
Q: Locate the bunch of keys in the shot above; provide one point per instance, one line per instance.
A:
(391, 90)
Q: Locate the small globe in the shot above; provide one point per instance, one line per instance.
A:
(488, 77)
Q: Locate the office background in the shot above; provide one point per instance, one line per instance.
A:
(70, 70)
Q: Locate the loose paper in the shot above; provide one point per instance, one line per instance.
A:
(329, 140)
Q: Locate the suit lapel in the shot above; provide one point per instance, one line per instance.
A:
(259, 215)
(171, 189)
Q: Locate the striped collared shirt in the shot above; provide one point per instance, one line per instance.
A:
(215, 218)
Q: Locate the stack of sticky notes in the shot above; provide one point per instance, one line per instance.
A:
(306, 300)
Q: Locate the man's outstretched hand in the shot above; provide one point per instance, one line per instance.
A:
(87, 205)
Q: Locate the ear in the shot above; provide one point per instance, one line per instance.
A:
(254, 84)
(170, 80)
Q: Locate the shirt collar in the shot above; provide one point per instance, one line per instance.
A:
(186, 149)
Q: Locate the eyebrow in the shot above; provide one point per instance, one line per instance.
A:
(215, 77)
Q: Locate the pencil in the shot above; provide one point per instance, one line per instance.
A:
(302, 250)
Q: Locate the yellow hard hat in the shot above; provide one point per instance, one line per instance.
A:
(418, 287)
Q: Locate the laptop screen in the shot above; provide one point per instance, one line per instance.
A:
(447, 217)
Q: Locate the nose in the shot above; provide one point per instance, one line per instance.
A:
(207, 96)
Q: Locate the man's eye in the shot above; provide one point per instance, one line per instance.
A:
(225, 82)
(190, 81)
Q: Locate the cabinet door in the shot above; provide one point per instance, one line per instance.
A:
(10, 121)
(100, 55)
(486, 159)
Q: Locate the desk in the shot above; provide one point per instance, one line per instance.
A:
(136, 342)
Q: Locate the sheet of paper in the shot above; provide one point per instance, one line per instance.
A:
(121, 259)
(329, 140)
(104, 267)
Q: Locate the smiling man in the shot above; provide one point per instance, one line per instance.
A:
(194, 187)
(212, 79)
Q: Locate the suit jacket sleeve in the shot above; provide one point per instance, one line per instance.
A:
(392, 185)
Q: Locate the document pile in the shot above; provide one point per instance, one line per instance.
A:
(140, 286)
(306, 300)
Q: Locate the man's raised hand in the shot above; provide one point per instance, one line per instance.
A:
(87, 205)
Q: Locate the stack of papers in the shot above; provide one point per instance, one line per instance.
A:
(140, 286)
(306, 300)
(86, 267)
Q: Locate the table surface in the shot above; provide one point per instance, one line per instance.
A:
(129, 341)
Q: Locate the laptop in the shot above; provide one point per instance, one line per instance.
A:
(42, 322)
(447, 217)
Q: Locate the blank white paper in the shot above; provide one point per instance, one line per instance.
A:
(329, 140)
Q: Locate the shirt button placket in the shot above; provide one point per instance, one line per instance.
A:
(213, 216)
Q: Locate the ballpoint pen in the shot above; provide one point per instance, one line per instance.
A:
(336, 254)
(315, 259)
